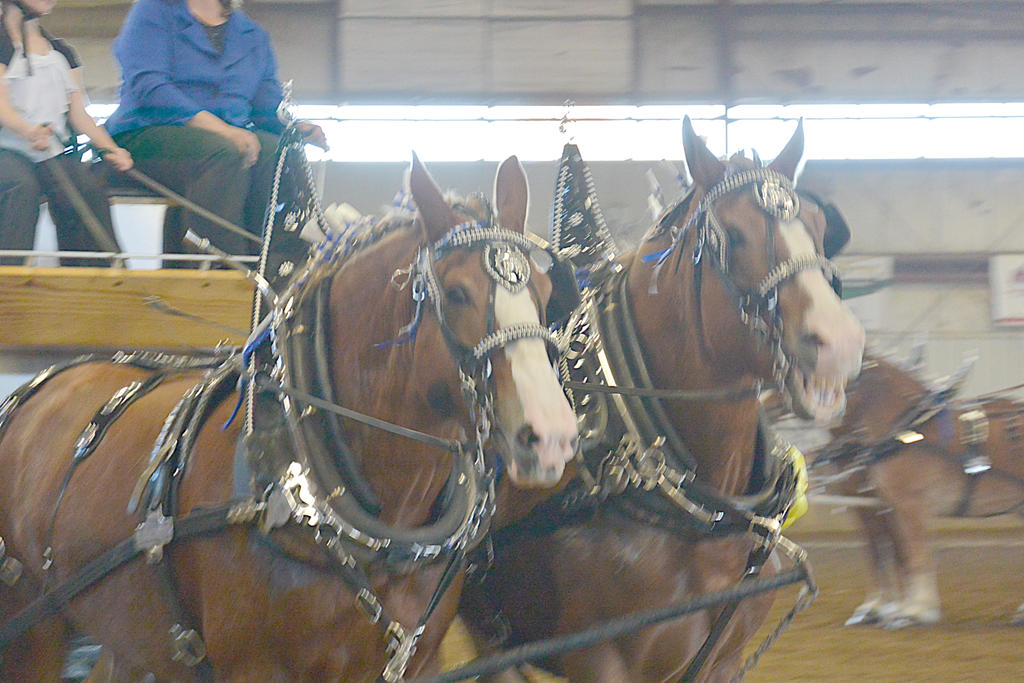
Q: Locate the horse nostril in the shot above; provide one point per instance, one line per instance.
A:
(812, 340)
(808, 348)
(526, 437)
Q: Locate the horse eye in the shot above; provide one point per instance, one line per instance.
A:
(457, 295)
(736, 238)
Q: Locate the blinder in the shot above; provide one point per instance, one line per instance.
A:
(837, 232)
(565, 291)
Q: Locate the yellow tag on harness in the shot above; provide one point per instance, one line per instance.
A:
(799, 506)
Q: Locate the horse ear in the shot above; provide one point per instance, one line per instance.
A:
(837, 232)
(438, 217)
(789, 158)
(511, 194)
(705, 169)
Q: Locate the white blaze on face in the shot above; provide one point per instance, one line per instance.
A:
(544, 406)
(828, 321)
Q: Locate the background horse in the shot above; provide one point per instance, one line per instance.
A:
(288, 604)
(921, 455)
(727, 290)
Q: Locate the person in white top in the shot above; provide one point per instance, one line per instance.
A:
(42, 109)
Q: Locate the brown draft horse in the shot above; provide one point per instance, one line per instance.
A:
(920, 454)
(278, 602)
(737, 251)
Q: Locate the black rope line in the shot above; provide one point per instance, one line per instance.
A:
(614, 628)
(680, 394)
(265, 382)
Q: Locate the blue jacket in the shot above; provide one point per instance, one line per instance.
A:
(170, 70)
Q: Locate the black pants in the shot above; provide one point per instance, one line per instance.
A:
(207, 169)
(23, 184)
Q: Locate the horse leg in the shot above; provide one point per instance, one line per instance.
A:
(914, 561)
(886, 592)
(878, 536)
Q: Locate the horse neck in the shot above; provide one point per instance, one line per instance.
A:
(374, 372)
(880, 400)
(694, 340)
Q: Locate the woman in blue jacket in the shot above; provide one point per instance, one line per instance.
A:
(198, 112)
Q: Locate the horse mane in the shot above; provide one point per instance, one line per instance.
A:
(673, 215)
(670, 217)
(346, 242)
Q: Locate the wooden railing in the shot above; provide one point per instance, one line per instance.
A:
(112, 308)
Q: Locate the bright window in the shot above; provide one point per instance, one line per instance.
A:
(615, 133)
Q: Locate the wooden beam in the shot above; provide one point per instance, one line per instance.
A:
(108, 308)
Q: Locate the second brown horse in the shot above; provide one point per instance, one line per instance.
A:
(729, 289)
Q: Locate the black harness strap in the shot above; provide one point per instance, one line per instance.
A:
(94, 433)
(196, 523)
(755, 562)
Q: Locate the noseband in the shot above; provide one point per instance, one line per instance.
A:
(775, 196)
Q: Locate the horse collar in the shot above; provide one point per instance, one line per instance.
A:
(650, 472)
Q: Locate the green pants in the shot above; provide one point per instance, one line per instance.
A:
(206, 168)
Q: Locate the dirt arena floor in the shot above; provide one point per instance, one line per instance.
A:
(981, 581)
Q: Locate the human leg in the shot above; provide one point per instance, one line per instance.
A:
(64, 178)
(261, 182)
(203, 167)
(20, 194)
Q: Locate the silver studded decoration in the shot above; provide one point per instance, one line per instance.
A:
(507, 266)
(776, 199)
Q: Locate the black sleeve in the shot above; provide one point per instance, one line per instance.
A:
(6, 47)
(62, 46)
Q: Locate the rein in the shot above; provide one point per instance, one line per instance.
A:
(666, 394)
(633, 623)
(264, 381)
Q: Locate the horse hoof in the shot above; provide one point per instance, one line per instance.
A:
(868, 617)
(897, 623)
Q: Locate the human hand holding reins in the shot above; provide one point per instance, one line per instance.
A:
(119, 158)
(41, 136)
(246, 142)
(313, 134)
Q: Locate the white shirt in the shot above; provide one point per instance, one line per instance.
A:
(42, 97)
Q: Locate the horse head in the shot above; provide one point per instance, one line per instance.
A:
(496, 291)
(770, 247)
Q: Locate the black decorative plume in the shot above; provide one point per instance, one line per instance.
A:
(578, 230)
